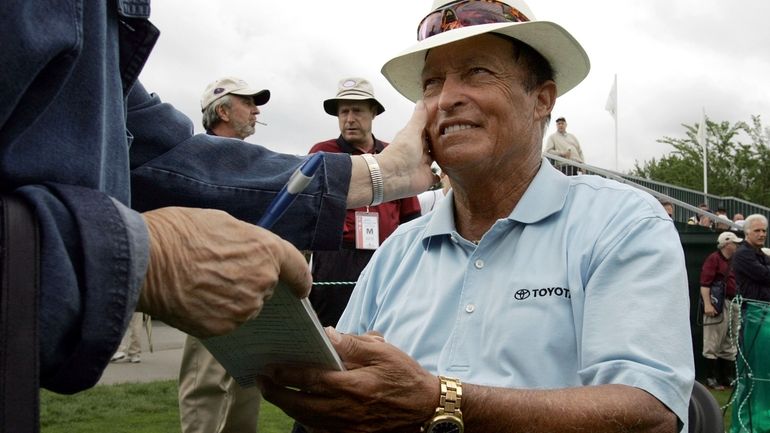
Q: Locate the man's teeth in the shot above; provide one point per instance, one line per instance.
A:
(455, 128)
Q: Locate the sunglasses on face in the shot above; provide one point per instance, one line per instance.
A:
(467, 13)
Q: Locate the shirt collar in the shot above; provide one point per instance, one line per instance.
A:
(348, 148)
(545, 196)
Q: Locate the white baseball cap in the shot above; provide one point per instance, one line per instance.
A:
(236, 86)
(726, 237)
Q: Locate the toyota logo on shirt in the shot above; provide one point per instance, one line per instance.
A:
(546, 292)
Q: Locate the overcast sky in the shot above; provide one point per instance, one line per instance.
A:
(672, 58)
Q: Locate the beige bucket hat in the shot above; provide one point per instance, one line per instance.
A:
(236, 86)
(567, 58)
(355, 89)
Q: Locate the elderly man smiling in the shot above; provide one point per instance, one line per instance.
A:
(526, 301)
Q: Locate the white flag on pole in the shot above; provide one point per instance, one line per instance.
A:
(612, 99)
(702, 130)
(702, 141)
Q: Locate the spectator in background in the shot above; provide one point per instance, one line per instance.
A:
(564, 144)
(430, 198)
(210, 400)
(668, 206)
(701, 220)
(695, 219)
(720, 225)
(130, 348)
(750, 264)
(738, 220)
(230, 107)
(355, 108)
(720, 328)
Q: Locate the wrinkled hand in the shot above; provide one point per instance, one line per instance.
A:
(210, 272)
(383, 390)
(405, 163)
(709, 310)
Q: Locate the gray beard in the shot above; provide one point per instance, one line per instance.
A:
(244, 130)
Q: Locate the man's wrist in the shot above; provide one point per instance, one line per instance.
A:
(375, 174)
(448, 415)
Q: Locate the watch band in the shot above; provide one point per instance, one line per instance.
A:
(378, 186)
(451, 395)
(448, 416)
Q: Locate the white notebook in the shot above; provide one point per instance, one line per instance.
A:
(287, 331)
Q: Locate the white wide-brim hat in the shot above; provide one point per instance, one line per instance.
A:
(566, 56)
(353, 89)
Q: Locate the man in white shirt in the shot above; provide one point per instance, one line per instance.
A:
(562, 143)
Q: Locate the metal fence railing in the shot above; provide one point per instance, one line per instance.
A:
(685, 200)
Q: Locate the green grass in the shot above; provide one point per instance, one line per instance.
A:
(723, 397)
(130, 408)
(152, 408)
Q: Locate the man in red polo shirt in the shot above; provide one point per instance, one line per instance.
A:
(367, 227)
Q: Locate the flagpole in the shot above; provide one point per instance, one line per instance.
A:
(704, 143)
(616, 123)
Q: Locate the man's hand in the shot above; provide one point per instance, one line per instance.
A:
(708, 307)
(383, 390)
(709, 310)
(405, 165)
(210, 272)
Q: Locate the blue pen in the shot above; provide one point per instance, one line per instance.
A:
(296, 184)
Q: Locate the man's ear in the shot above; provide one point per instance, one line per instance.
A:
(546, 98)
(223, 114)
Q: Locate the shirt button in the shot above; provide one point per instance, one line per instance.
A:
(470, 308)
(479, 264)
(454, 239)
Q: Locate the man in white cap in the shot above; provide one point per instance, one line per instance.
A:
(527, 300)
(365, 228)
(210, 400)
(720, 315)
(230, 107)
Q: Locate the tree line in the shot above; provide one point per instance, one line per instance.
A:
(738, 160)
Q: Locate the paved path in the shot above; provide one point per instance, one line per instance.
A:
(161, 364)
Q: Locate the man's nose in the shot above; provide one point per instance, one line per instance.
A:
(451, 93)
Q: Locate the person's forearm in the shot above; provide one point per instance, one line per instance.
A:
(396, 184)
(705, 294)
(404, 166)
(598, 409)
(360, 191)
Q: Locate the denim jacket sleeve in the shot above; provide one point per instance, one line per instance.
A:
(173, 167)
(64, 148)
(61, 137)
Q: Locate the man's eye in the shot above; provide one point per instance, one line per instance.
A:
(431, 82)
(431, 85)
(475, 71)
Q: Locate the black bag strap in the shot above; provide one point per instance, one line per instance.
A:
(19, 279)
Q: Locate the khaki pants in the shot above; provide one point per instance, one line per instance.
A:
(131, 343)
(720, 333)
(210, 400)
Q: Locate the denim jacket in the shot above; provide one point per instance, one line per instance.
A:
(81, 139)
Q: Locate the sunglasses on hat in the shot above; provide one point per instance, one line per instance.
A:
(467, 13)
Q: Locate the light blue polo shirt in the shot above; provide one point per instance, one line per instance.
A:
(584, 283)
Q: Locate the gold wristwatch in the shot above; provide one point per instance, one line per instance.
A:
(448, 417)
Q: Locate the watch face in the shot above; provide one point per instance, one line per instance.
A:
(446, 427)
